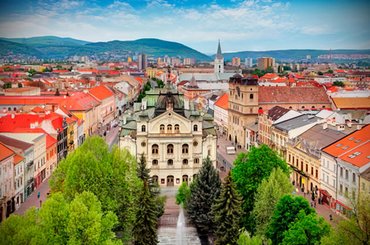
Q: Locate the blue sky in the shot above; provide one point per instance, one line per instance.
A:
(239, 24)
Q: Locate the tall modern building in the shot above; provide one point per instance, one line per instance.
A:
(266, 62)
(142, 61)
(219, 60)
(248, 62)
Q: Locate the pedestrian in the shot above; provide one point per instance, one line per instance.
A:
(38, 195)
(40, 203)
(314, 204)
(331, 217)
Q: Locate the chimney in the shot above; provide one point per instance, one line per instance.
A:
(325, 126)
(349, 124)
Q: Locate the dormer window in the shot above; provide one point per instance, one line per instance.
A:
(195, 127)
(143, 128)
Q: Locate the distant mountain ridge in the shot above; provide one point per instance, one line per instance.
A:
(294, 54)
(51, 47)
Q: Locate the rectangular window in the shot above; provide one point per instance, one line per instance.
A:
(346, 174)
(341, 189)
(354, 177)
(341, 172)
(306, 167)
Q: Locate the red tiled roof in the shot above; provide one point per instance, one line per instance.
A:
(80, 101)
(359, 156)
(223, 101)
(10, 123)
(286, 94)
(101, 92)
(50, 141)
(17, 159)
(5, 152)
(357, 141)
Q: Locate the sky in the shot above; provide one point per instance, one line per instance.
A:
(240, 25)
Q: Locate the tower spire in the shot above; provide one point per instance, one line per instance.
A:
(219, 53)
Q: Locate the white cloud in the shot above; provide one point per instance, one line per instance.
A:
(243, 22)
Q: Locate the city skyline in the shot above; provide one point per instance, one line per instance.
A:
(273, 24)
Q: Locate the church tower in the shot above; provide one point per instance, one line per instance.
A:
(219, 60)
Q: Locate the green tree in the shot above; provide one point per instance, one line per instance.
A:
(338, 84)
(54, 216)
(320, 73)
(21, 229)
(249, 171)
(145, 228)
(144, 174)
(110, 175)
(204, 190)
(59, 222)
(309, 229)
(330, 71)
(183, 194)
(286, 212)
(268, 194)
(356, 230)
(227, 212)
(246, 239)
(87, 224)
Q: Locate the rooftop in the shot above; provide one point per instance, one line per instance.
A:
(296, 122)
(348, 143)
(358, 156)
(291, 95)
(101, 92)
(223, 101)
(14, 142)
(350, 103)
(276, 112)
(5, 152)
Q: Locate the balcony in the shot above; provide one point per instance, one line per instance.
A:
(30, 181)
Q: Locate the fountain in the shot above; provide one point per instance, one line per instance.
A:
(180, 228)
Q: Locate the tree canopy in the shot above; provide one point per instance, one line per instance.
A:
(80, 221)
(110, 175)
(309, 229)
(268, 194)
(227, 212)
(249, 171)
(286, 212)
(204, 190)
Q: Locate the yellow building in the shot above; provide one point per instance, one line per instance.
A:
(304, 154)
(243, 107)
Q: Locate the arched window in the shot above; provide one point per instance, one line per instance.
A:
(170, 162)
(155, 149)
(170, 149)
(177, 128)
(185, 161)
(195, 127)
(161, 128)
(185, 149)
(251, 96)
(155, 162)
(143, 128)
(169, 128)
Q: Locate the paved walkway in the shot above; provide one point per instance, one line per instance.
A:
(167, 231)
(322, 210)
(32, 200)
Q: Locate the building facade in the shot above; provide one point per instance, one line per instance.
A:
(243, 107)
(173, 138)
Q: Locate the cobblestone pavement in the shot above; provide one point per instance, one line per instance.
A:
(167, 224)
